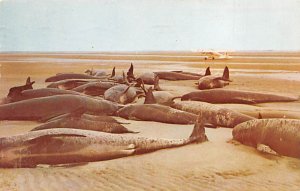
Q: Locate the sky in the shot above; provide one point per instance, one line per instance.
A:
(145, 25)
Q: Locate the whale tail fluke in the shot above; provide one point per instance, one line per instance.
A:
(198, 134)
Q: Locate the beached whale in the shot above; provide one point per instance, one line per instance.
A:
(264, 112)
(158, 113)
(95, 72)
(66, 76)
(159, 97)
(16, 90)
(47, 107)
(280, 135)
(94, 88)
(121, 94)
(180, 75)
(78, 122)
(207, 72)
(36, 93)
(129, 75)
(103, 118)
(210, 82)
(235, 96)
(213, 115)
(147, 77)
(68, 84)
(62, 146)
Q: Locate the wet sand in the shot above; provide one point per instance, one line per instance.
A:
(219, 164)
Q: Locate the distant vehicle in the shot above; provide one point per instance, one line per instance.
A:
(211, 55)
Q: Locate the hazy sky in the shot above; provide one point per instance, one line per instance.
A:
(135, 25)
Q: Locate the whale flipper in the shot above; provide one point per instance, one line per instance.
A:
(266, 149)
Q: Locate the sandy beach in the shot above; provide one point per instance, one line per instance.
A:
(219, 164)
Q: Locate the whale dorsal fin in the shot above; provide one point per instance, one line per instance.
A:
(259, 116)
(113, 73)
(207, 71)
(130, 71)
(29, 83)
(226, 74)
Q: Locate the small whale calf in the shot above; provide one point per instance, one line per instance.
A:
(235, 96)
(280, 135)
(213, 115)
(158, 113)
(63, 146)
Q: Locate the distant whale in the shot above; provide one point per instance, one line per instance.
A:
(210, 82)
(235, 96)
(180, 75)
(66, 76)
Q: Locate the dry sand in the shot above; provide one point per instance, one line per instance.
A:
(219, 164)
